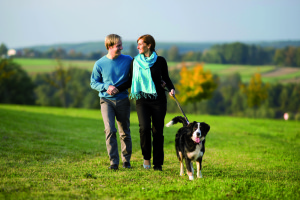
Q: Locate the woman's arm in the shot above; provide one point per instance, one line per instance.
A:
(165, 75)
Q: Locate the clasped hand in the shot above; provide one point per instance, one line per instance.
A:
(112, 90)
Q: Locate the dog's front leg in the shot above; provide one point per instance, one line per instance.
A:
(199, 174)
(190, 169)
(181, 168)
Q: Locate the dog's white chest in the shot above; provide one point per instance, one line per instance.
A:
(194, 155)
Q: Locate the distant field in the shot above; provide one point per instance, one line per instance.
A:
(269, 73)
(33, 66)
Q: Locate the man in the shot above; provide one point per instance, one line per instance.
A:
(109, 73)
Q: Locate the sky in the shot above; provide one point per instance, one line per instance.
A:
(26, 23)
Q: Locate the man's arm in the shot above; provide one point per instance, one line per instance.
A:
(97, 80)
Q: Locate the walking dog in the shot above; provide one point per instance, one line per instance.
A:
(190, 144)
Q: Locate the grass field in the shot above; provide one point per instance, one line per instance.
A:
(33, 66)
(57, 153)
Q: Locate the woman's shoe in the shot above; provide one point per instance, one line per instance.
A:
(146, 166)
(157, 168)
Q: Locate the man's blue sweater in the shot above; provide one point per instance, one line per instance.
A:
(108, 72)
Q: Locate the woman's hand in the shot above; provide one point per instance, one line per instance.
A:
(172, 93)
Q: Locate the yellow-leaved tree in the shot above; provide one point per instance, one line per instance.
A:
(256, 91)
(195, 84)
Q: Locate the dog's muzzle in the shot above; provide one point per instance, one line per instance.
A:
(197, 140)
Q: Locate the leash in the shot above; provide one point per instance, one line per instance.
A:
(181, 109)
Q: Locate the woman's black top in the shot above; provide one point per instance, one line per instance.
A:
(159, 72)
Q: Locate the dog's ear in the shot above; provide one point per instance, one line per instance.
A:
(205, 126)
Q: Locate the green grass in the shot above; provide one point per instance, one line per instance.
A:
(246, 71)
(33, 66)
(57, 153)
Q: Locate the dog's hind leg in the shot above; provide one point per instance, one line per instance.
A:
(180, 158)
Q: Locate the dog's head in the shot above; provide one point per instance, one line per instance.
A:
(198, 131)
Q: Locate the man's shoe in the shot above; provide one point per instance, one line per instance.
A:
(157, 168)
(126, 165)
(113, 167)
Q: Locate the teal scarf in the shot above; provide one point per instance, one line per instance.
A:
(142, 84)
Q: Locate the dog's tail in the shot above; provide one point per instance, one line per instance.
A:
(177, 119)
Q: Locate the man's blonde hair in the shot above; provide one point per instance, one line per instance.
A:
(111, 40)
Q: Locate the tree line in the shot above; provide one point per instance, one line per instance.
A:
(208, 93)
(231, 53)
(233, 97)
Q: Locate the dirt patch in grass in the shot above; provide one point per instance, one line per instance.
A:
(180, 65)
(280, 72)
(294, 80)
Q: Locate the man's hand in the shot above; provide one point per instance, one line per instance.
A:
(112, 90)
(163, 84)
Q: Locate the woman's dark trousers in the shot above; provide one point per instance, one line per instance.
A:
(154, 111)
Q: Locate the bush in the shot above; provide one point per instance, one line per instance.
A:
(16, 87)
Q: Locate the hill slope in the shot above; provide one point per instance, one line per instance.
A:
(56, 153)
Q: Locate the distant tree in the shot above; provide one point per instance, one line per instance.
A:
(259, 56)
(95, 55)
(72, 54)
(173, 54)
(59, 79)
(229, 88)
(235, 53)
(79, 92)
(16, 87)
(191, 56)
(31, 53)
(216, 105)
(279, 57)
(298, 57)
(256, 91)
(195, 84)
(284, 97)
(290, 56)
(293, 105)
(66, 88)
(133, 50)
(3, 50)
(163, 53)
(212, 56)
(55, 53)
(238, 53)
(237, 103)
(60, 53)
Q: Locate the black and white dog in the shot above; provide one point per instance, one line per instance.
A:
(189, 144)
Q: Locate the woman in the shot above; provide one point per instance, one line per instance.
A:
(148, 71)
